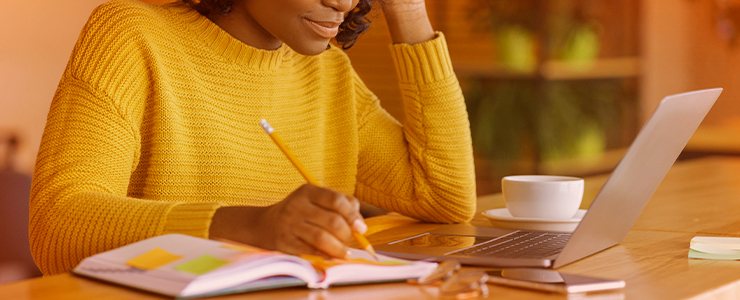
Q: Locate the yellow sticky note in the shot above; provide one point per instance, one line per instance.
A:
(153, 259)
(202, 264)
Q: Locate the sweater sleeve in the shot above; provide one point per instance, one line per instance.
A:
(423, 168)
(90, 147)
(78, 203)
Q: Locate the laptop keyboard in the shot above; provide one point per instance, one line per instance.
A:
(520, 244)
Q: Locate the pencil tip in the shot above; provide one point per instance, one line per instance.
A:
(371, 250)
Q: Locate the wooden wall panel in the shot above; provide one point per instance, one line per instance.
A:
(713, 62)
(683, 51)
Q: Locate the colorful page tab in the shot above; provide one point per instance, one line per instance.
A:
(320, 263)
(153, 259)
(243, 248)
(202, 265)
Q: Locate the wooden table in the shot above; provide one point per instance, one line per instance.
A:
(697, 197)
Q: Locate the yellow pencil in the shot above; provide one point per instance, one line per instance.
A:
(364, 243)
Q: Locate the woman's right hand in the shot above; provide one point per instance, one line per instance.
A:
(311, 220)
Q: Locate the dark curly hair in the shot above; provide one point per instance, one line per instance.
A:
(354, 24)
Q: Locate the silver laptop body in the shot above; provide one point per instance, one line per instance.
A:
(609, 218)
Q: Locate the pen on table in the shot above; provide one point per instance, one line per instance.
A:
(364, 243)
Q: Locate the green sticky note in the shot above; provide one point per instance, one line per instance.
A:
(202, 265)
(698, 254)
(153, 259)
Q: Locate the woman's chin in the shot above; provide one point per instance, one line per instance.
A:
(310, 49)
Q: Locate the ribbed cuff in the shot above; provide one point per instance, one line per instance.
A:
(422, 63)
(191, 218)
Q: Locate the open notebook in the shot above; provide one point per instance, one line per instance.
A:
(182, 266)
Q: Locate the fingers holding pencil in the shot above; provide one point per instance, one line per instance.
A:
(348, 207)
(302, 225)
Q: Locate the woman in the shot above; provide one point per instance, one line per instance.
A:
(154, 129)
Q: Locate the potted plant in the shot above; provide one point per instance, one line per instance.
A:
(532, 118)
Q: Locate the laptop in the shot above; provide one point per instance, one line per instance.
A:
(608, 220)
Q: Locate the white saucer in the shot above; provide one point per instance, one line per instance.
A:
(502, 218)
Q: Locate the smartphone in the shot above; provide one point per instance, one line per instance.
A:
(551, 281)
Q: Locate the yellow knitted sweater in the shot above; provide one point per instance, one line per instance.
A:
(155, 125)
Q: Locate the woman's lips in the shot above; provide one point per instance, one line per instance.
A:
(324, 29)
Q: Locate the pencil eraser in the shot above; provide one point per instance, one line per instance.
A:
(266, 126)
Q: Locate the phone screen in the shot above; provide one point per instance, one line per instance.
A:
(550, 280)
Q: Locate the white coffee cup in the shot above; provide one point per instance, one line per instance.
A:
(542, 196)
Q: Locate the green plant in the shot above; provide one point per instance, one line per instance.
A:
(566, 29)
(516, 119)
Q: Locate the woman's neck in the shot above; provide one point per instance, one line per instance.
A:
(243, 27)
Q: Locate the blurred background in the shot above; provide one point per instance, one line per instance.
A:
(552, 86)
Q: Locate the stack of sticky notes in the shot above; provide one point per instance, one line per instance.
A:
(706, 247)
